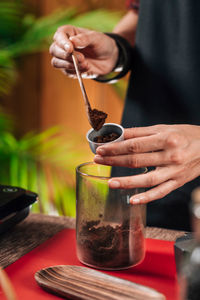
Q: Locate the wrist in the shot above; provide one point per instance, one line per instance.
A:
(115, 56)
(123, 59)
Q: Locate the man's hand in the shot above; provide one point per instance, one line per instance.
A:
(174, 151)
(96, 53)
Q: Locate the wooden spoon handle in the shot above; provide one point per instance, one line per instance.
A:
(74, 282)
(85, 97)
(6, 285)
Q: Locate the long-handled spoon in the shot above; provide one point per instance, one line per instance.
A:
(95, 117)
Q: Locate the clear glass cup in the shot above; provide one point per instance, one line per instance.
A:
(110, 231)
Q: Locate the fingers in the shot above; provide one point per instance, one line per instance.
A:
(155, 193)
(63, 47)
(69, 38)
(172, 146)
(163, 180)
(61, 38)
(160, 179)
(85, 39)
(61, 60)
(69, 66)
(172, 134)
(141, 131)
(58, 52)
(148, 179)
(138, 160)
(72, 74)
(133, 145)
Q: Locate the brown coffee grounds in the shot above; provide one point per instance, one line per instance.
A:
(97, 118)
(106, 138)
(108, 247)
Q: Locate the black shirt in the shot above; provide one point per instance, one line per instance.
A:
(164, 87)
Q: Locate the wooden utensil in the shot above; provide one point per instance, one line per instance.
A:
(95, 117)
(7, 286)
(74, 282)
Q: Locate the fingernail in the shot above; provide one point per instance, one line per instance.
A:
(114, 184)
(135, 201)
(101, 151)
(66, 47)
(79, 57)
(98, 159)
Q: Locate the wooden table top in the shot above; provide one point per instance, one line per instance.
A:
(37, 228)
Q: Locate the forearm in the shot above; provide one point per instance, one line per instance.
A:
(124, 36)
(127, 26)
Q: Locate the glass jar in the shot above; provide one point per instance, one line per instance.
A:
(189, 276)
(109, 230)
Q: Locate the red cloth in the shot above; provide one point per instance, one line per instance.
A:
(156, 271)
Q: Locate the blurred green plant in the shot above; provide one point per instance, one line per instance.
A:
(40, 162)
(43, 163)
(22, 33)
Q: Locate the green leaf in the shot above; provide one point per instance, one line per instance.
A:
(43, 202)
(37, 37)
(32, 176)
(11, 16)
(14, 169)
(8, 72)
(6, 122)
(101, 20)
(23, 173)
